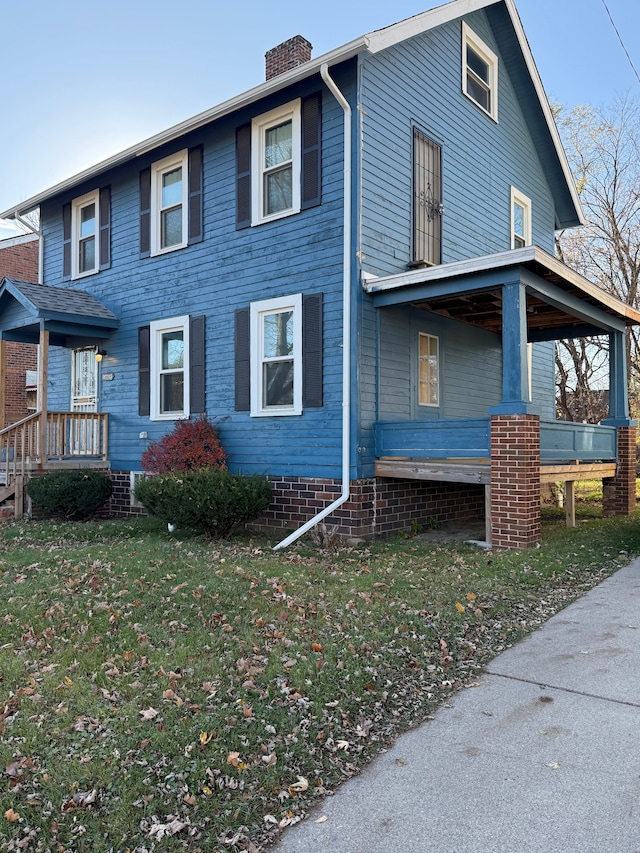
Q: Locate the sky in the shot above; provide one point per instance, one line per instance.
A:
(82, 81)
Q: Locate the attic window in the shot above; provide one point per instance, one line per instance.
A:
(479, 72)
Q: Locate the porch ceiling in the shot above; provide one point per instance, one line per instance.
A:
(68, 315)
(560, 302)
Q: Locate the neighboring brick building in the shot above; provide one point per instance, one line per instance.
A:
(18, 361)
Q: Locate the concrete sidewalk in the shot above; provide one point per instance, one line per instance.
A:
(543, 755)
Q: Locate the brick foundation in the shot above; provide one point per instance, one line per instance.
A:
(376, 507)
(619, 492)
(515, 481)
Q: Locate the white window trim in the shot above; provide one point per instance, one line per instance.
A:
(76, 206)
(181, 158)
(258, 310)
(519, 198)
(156, 329)
(437, 340)
(259, 126)
(484, 51)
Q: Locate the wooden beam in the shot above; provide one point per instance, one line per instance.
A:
(570, 503)
(443, 470)
(576, 471)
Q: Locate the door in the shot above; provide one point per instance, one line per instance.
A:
(85, 431)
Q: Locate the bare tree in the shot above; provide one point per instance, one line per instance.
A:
(603, 146)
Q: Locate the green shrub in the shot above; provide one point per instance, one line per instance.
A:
(189, 445)
(210, 499)
(77, 494)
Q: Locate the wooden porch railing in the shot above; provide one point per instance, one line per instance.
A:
(67, 436)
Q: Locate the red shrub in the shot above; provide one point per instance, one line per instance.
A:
(189, 446)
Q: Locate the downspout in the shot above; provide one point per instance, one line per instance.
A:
(346, 321)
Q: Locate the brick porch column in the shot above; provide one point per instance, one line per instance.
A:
(619, 492)
(515, 481)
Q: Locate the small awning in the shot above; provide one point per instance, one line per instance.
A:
(72, 317)
(560, 302)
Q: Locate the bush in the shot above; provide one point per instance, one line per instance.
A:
(190, 445)
(210, 499)
(76, 494)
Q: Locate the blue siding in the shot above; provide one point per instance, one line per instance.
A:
(228, 270)
(418, 83)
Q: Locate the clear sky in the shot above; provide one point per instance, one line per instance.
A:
(81, 81)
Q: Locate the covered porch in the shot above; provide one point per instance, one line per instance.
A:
(50, 440)
(524, 296)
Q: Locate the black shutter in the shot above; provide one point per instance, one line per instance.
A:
(242, 361)
(144, 371)
(195, 195)
(312, 351)
(196, 366)
(312, 151)
(145, 213)
(243, 176)
(105, 228)
(66, 241)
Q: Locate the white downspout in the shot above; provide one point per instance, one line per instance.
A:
(346, 321)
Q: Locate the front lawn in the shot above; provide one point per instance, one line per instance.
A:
(170, 693)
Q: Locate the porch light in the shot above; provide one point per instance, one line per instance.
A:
(100, 354)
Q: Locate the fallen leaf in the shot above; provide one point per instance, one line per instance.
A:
(471, 596)
(299, 787)
(205, 737)
(322, 819)
(233, 758)
(459, 607)
(11, 816)
(316, 647)
(148, 714)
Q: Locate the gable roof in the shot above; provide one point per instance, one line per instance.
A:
(515, 42)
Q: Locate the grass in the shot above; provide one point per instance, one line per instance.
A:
(165, 694)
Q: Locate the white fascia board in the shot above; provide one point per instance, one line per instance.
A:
(301, 72)
(524, 256)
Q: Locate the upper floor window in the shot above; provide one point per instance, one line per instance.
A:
(479, 72)
(86, 227)
(171, 203)
(278, 162)
(520, 220)
(84, 215)
(427, 201)
(275, 145)
(428, 370)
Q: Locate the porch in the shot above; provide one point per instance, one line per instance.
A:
(459, 451)
(49, 441)
(520, 297)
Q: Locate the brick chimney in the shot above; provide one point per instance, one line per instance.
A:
(286, 56)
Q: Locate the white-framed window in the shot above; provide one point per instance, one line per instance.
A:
(85, 228)
(276, 356)
(479, 72)
(428, 370)
(520, 220)
(169, 208)
(275, 168)
(169, 360)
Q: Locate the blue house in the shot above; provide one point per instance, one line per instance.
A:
(351, 267)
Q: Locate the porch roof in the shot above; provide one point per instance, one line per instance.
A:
(68, 315)
(560, 302)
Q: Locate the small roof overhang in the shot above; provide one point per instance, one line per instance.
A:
(560, 302)
(70, 316)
